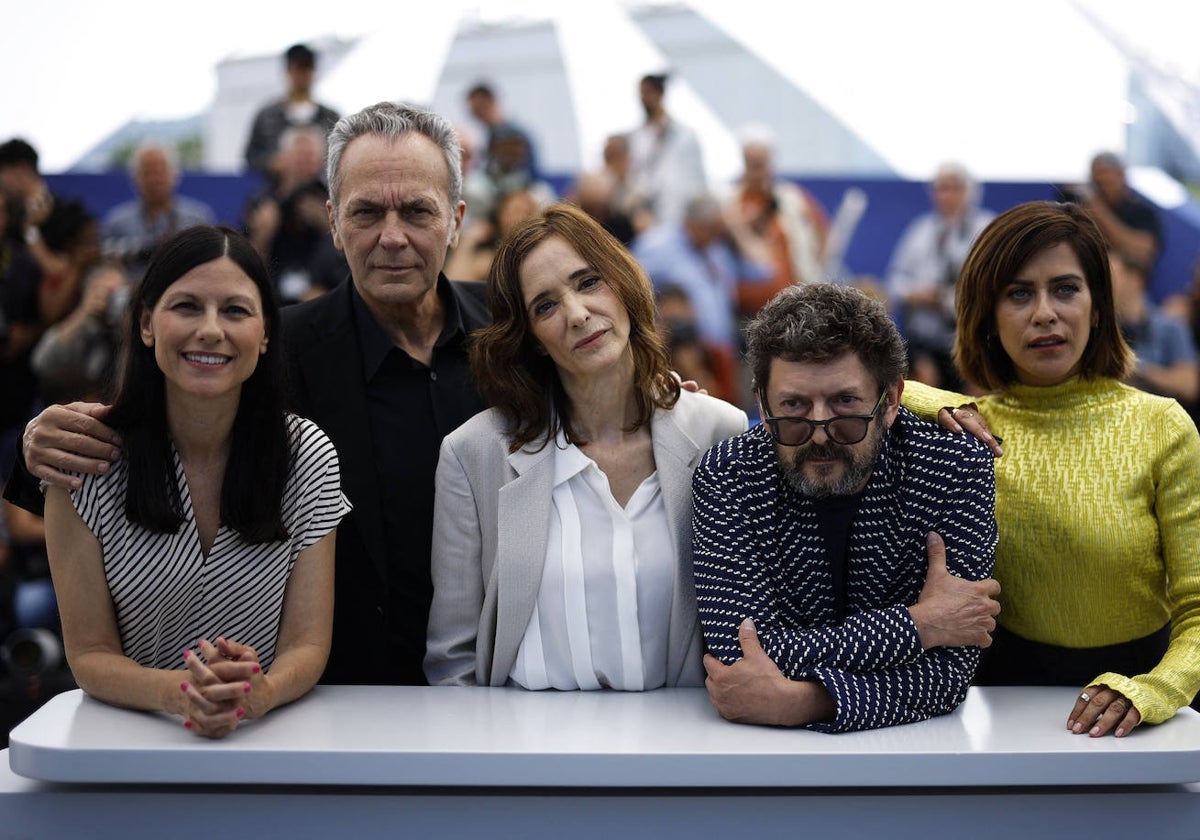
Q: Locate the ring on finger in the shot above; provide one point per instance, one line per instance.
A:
(1085, 697)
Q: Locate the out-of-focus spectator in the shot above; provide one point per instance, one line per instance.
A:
(133, 229)
(75, 358)
(35, 210)
(593, 194)
(506, 170)
(74, 233)
(708, 259)
(789, 222)
(1131, 224)
(20, 326)
(1166, 355)
(297, 108)
(472, 259)
(924, 267)
(289, 225)
(668, 168)
(485, 107)
(691, 357)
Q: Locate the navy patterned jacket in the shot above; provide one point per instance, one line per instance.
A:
(759, 554)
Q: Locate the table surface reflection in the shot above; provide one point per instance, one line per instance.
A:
(671, 738)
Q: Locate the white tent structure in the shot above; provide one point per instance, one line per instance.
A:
(1024, 90)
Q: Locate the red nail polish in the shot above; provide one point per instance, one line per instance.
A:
(257, 668)
(183, 686)
(186, 654)
(241, 713)
(246, 688)
(187, 724)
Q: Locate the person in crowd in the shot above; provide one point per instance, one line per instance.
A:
(507, 169)
(924, 266)
(843, 547)
(665, 157)
(35, 207)
(379, 363)
(76, 358)
(1164, 352)
(1130, 223)
(1096, 497)
(709, 256)
(289, 225)
(562, 523)
(20, 327)
(485, 107)
(592, 193)
(131, 230)
(296, 108)
(219, 486)
(481, 238)
(790, 223)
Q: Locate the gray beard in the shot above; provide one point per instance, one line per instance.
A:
(857, 465)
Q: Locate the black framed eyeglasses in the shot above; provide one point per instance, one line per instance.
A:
(845, 429)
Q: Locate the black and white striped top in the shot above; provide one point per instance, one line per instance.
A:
(166, 594)
(759, 553)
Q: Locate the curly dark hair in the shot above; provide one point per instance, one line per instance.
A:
(820, 322)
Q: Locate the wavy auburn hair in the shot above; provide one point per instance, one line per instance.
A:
(522, 383)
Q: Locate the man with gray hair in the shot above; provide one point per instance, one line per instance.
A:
(380, 364)
(843, 547)
(132, 230)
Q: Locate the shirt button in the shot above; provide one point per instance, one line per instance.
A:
(433, 375)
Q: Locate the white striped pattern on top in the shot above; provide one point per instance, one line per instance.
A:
(166, 594)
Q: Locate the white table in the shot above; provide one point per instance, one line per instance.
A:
(470, 762)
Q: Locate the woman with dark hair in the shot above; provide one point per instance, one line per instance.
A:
(218, 524)
(562, 516)
(1096, 499)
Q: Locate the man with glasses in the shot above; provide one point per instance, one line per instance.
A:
(843, 547)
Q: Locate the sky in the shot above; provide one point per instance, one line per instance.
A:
(75, 70)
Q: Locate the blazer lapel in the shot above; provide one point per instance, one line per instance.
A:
(522, 513)
(676, 456)
(333, 356)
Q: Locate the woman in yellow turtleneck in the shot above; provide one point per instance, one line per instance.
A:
(1098, 492)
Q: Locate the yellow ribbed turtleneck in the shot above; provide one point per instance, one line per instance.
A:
(1098, 510)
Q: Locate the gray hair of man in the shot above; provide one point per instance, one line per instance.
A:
(821, 322)
(168, 151)
(954, 171)
(394, 120)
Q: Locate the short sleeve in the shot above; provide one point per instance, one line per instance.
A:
(313, 503)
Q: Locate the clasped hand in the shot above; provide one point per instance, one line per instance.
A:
(225, 684)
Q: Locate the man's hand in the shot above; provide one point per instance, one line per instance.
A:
(951, 611)
(754, 690)
(66, 439)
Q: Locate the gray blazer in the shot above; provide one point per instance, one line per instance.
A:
(490, 523)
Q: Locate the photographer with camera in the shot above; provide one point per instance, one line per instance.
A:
(133, 230)
(74, 359)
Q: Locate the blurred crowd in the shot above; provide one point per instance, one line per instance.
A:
(715, 254)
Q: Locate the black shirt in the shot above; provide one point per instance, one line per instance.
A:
(411, 407)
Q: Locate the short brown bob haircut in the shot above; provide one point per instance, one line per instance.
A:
(1006, 245)
(523, 383)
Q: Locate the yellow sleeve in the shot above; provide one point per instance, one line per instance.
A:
(1176, 474)
(925, 401)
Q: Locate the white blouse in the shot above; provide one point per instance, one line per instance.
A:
(604, 604)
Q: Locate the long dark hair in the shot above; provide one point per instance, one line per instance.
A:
(260, 450)
(523, 384)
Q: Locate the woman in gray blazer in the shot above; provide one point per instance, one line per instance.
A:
(562, 518)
